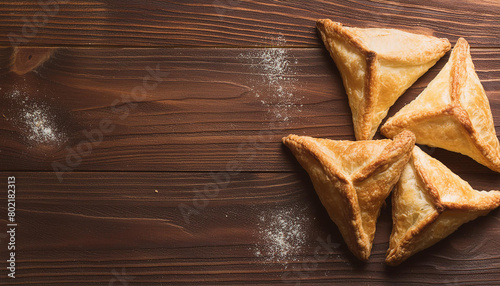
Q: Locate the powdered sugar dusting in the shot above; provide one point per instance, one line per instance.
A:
(14, 94)
(282, 234)
(35, 120)
(39, 124)
(277, 83)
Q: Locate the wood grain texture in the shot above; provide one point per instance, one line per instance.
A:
(102, 227)
(216, 98)
(234, 22)
(204, 113)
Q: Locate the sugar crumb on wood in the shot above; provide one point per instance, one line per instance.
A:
(282, 234)
(276, 83)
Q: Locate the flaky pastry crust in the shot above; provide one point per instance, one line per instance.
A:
(352, 180)
(377, 66)
(429, 203)
(452, 113)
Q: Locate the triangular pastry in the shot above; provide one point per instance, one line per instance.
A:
(352, 179)
(452, 113)
(429, 203)
(377, 66)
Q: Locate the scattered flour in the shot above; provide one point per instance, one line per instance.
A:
(40, 124)
(282, 234)
(35, 120)
(14, 94)
(277, 83)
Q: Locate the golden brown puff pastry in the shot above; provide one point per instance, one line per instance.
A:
(377, 66)
(429, 203)
(452, 113)
(352, 179)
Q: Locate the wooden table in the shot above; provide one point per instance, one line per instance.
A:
(163, 121)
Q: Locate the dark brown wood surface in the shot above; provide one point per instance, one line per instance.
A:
(115, 216)
(225, 23)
